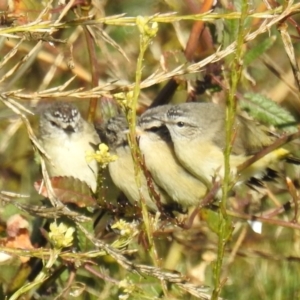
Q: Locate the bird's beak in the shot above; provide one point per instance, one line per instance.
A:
(139, 131)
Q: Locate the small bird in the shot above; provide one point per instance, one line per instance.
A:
(66, 137)
(122, 169)
(198, 134)
(157, 147)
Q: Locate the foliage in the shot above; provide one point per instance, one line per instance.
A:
(117, 55)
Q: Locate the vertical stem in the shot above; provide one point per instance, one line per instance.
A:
(225, 227)
(146, 35)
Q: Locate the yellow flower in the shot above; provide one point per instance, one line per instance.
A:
(60, 235)
(128, 288)
(102, 156)
(126, 229)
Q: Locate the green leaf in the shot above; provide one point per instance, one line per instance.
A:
(230, 32)
(256, 51)
(212, 219)
(267, 111)
(231, 27)
(83, 242)
(68, 190)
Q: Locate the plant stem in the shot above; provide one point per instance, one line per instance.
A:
(225, 226)
(146, 35)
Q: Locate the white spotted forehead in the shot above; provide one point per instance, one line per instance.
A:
(117, 123)
(174, 112)
(65, 112)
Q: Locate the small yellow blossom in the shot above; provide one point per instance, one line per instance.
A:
(127, 287)
(60, 235)
(102, 156)
(124, 99)
(126, 229)
(146, 27)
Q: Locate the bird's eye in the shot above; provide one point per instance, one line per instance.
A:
(153, 129)
(180, 124)
(53, 124)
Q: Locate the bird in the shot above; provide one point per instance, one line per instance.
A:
(198, 134)
(122, 169)
(66, 137)
(157, 148)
